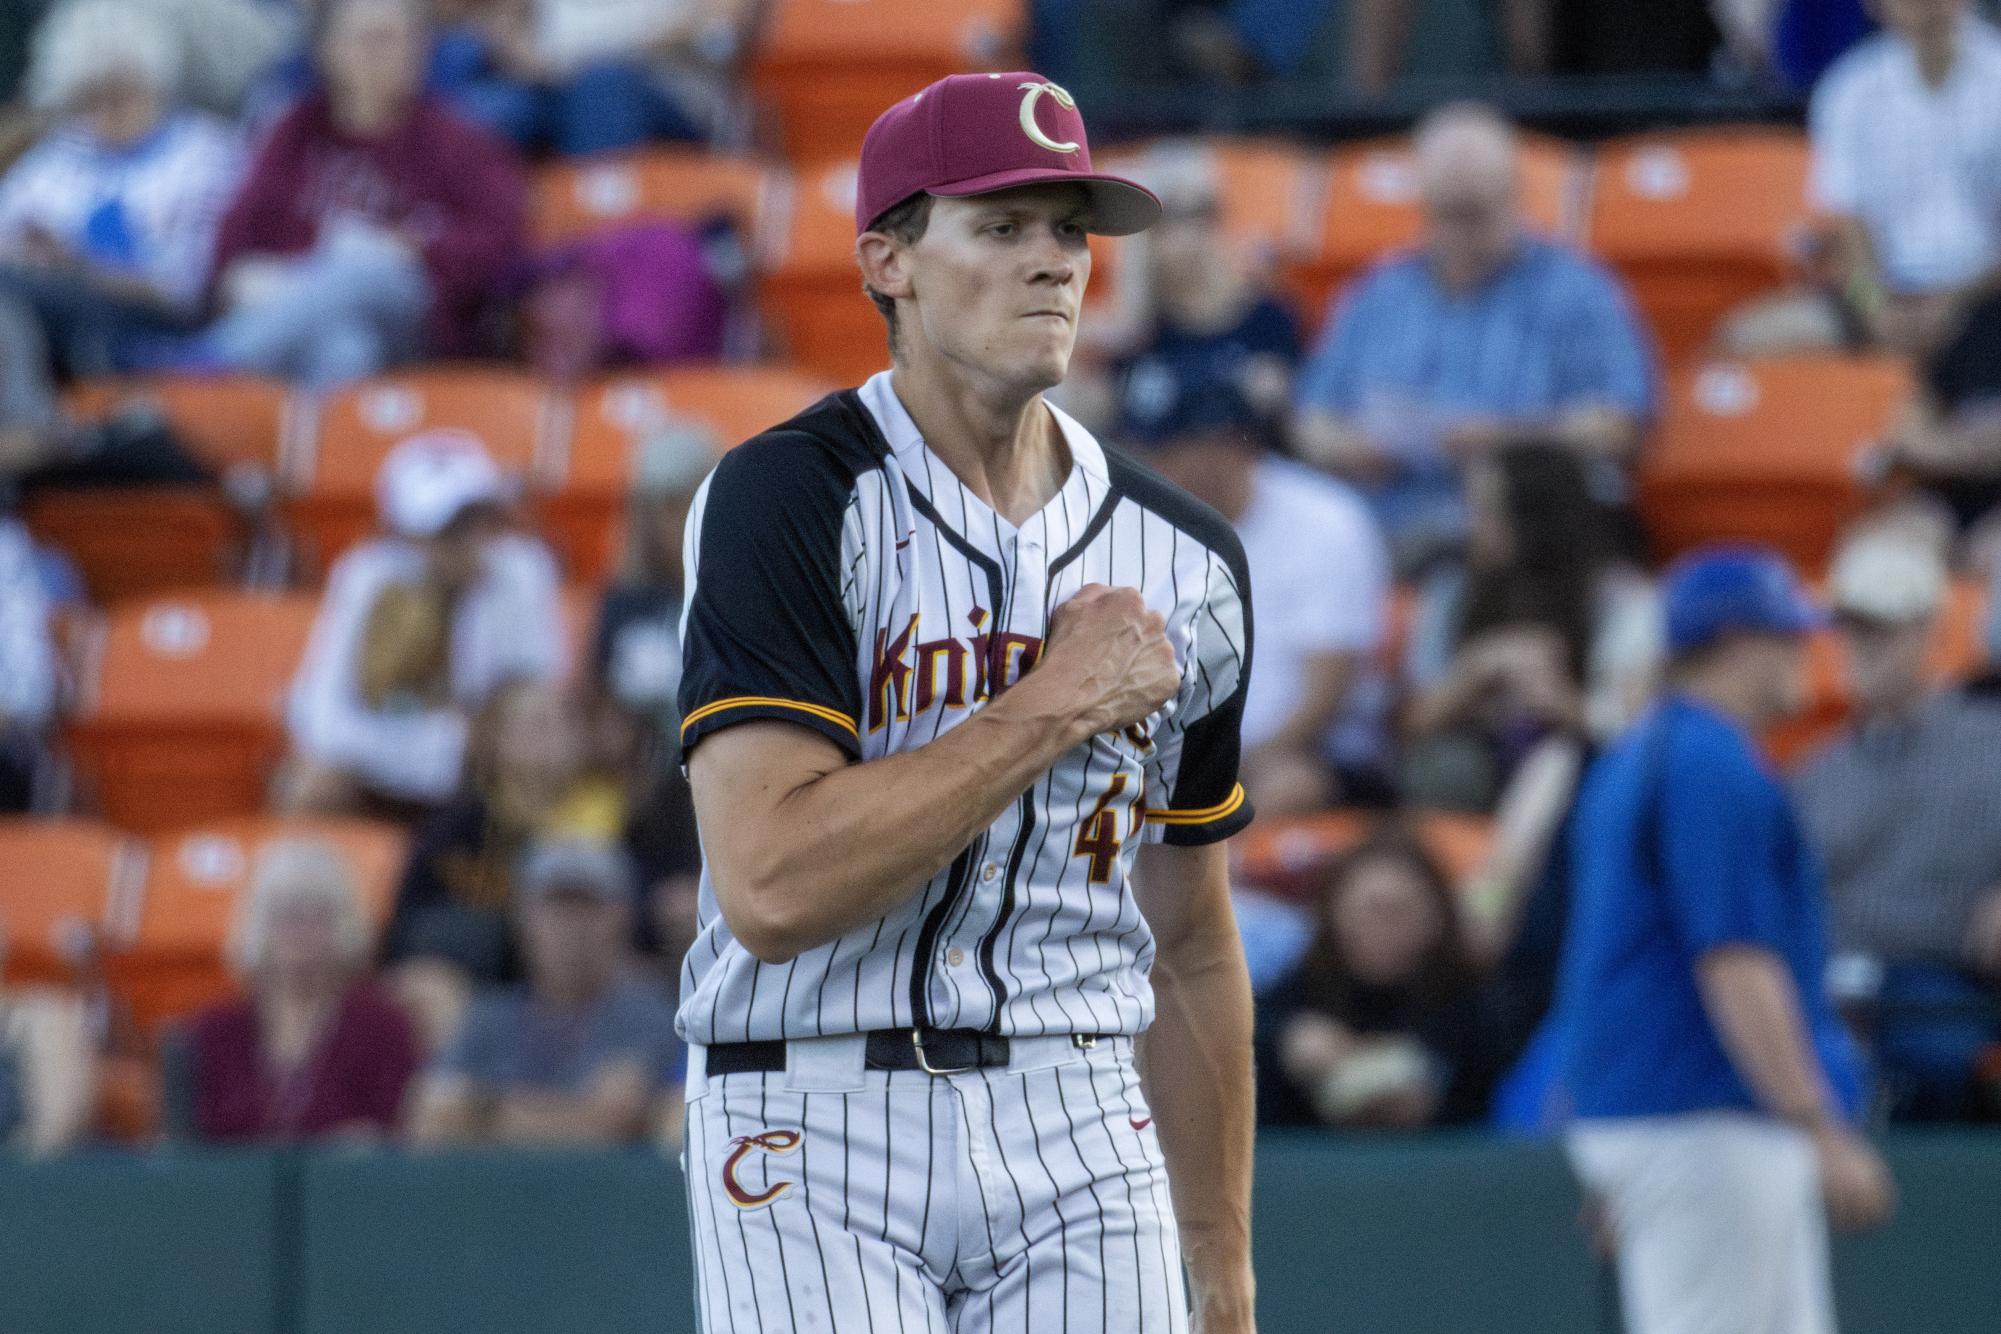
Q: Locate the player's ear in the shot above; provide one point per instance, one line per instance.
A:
(885, 264)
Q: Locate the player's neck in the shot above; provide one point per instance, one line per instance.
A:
(1004, 446)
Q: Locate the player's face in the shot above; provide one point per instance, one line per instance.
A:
(997, 282)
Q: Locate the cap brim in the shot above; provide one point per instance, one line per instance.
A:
(1119, 207)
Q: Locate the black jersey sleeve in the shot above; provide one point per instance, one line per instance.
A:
(1206, 802)
(767, 633)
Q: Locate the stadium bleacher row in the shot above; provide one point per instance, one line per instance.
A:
(1695, 221)
(177, 684)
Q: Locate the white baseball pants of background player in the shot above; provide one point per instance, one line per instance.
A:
(1718, 1219)
(1030, 1198)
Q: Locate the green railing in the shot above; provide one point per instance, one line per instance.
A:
(1438, 1235)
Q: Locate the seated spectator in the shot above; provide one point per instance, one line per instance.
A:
(107, 224)
(1902, 808)
(1948, 439)
(526, 778)
(1906, 138)
(636, 654)
(587, 76)
(1485, 336)
(1540, 633)
(417, 628)
(374, 224)
(1319, 576)
(581, 1052)
(27, 667)
(1194, 303)
(48, 1084)
(536, 769)
(1380, 1024)
(314, 1049)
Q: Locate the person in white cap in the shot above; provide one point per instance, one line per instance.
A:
(417, 628)
(1901, 807)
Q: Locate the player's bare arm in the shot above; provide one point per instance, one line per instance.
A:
(804, 846)
(1196, 1066)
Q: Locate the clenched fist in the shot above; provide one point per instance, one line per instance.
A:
(1111, 656)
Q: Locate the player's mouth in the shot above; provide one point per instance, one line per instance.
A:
(1056, 314)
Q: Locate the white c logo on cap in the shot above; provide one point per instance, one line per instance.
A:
(1034, 132)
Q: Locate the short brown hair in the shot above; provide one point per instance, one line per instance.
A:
(905, 224)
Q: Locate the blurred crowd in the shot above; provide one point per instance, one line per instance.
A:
(1433, 481)
(1367, 48)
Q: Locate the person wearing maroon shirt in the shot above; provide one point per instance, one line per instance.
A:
(314, 1049)
(374, 222)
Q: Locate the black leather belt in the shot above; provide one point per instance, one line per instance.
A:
(935, 1051)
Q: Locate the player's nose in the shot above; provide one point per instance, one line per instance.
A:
(1054, 262)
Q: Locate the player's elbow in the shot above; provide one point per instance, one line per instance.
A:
(764, 917)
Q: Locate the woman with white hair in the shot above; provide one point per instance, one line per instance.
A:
(107, 224)
(313, 1049)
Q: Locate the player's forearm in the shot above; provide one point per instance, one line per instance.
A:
(1749, 997)
(1198, 1083)
(853, 844)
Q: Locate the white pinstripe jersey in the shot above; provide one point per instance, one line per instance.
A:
(842, 578)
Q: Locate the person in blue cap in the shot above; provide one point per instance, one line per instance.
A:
(1713, 1087)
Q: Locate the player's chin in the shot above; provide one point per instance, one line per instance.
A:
(1044, 359)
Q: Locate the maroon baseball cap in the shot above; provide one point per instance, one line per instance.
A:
(972, 134)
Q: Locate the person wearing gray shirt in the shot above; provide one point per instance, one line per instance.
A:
(1904, 808)
(584, 1051)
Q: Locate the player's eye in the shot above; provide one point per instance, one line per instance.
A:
(1001, 229)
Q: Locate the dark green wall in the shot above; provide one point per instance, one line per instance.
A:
(1409, 1236)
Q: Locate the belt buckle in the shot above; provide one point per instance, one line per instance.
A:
(1084, 1041)
(924, 1058)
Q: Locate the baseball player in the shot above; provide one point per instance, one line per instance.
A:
(961, 710)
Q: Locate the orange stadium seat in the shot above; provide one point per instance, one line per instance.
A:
(1288, 855)
(573, 199)
(1285, 854)
(827, 68)
(1700, 222)
(1369, 208)
(177, 959)
(181, 700)
(331, 491)
(136, 540)
(608, 420)
(66, 886)
(811, 292)
(1772, 450)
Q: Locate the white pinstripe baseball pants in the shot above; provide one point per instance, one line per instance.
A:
(834, 1198)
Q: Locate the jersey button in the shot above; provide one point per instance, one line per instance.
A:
(954, 957)
(988, 872)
